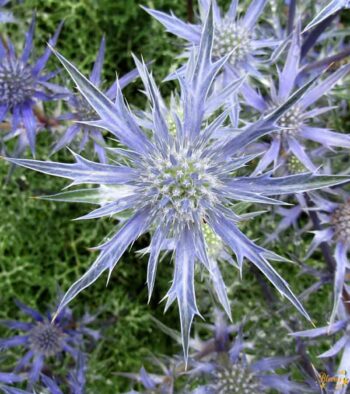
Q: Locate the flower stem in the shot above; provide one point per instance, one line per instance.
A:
(190, 14)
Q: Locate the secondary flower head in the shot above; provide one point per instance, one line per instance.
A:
(237, 377)
(335, 219)
(43, 339)
(82, 111)
(228, 368)
(173, 186)
(295, 123)
(235, 37)
(23, 84)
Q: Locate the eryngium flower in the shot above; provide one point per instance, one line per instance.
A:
(5, 16)
(296, 121)
(22, 84)
(240, 378)
(44, 339)
(233, 36)
(228, 369)
(173, 185)
(82, 111)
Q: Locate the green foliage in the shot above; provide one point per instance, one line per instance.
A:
(126, 26)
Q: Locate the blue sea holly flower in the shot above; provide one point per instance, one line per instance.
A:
(237, 37)
(44, 339)
(295, 123)
(176, 184)
(23, 84)
(238, 378)
(221, 362)
(82, 111)
(228, 369)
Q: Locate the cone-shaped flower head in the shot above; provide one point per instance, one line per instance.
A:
(174, 186)
(235, 380)
(23, 84)
(340, 220)
(46, 338)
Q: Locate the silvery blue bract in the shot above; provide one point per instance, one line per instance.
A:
(331, 8)
(81, 111)
(5, 16)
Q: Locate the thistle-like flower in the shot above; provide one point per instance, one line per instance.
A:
(44, 339)
(23, 84)
(233, 36)
(228, 369)
(238, 378)
(82, 111)
(295, 123)
(221, 362)
(173, 186)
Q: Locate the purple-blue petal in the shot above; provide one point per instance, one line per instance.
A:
(18, 340)
(176, 26)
